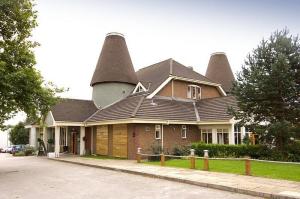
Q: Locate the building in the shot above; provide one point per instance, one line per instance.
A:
(163, 105)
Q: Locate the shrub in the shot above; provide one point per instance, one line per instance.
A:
(20, 153)
(181, 150)
(253, 151)
(28, 151)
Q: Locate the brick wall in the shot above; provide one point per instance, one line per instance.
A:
(143, 135)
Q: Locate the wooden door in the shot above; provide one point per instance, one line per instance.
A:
(74, 143)
(87, 142)
(120, 140)
(102, 140)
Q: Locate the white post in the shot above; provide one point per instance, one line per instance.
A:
(214, 136)
(231, 134)
(57, 140)
(162, 138)
(45, 137)
(243, 133)
(33, 137)
(82, 144)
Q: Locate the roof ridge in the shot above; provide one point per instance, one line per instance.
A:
(66, 98)
(153, 64)
(138, 106)
(196, 112)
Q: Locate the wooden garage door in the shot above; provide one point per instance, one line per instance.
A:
(102, 140)
(120, 140)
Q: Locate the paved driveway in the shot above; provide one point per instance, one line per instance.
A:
(31, 177)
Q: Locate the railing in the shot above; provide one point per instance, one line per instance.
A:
(192, 159)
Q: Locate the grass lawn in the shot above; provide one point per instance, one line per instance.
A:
(263, 169)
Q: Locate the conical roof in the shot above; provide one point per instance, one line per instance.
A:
(219, 70)
(114, 63)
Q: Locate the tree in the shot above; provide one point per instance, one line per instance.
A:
(19, 135)
(22, 87)
(268, 90)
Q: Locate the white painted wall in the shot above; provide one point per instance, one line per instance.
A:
(4, 139)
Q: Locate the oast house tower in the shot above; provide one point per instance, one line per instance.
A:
(219, 70)
(114, 77)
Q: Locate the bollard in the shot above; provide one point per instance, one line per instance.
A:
(247, 166)
(162, 159)
(138, 155)
(205, 161)
(192, 158)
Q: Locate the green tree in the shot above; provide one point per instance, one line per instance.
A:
(268, 89)
(22, 87)
(19, 135)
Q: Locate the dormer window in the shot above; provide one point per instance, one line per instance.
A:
(139, 88)
(194, 92)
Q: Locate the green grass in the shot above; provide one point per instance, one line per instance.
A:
(262, 169)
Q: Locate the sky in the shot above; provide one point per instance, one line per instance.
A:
(71, 33)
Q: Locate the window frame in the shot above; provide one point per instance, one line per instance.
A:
(157, 129)
(183, 131)
(205, 133)
(194, 92)
(222, 132)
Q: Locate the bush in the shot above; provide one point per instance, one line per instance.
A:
(20, 153)
(181, 150)
(253, 151)
(28, 151)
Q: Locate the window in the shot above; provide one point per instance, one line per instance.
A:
(194, 92)
(139, 88)
(206, 136)
(63, 135)
(183, 131)
(237, 138)
(222, 136)
(157, 132)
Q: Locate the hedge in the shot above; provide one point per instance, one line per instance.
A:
(292, 152)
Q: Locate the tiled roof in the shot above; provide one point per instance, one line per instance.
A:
(114, 63)
(139, 107)
(73, 110)
(154, 75)
(213, 109)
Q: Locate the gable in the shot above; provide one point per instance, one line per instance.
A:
(179, 89)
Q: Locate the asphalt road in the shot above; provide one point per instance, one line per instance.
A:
(40, 178)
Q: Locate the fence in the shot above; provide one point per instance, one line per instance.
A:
(206, 159)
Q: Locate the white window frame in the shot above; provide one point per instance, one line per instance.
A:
(222, 132)
(157, 129)
(206, 131)
(139, 88)
(196, 89)
(183, 131)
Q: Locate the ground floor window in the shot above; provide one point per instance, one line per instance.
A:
(157, 132)
(237, 138)
(206, 136)
(183, 131)
(63, 136)
(222, 136)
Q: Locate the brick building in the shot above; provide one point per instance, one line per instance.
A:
(163, 105)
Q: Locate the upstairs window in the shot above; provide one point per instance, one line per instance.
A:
(194, 92)
(139, 88)
(183, 131)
